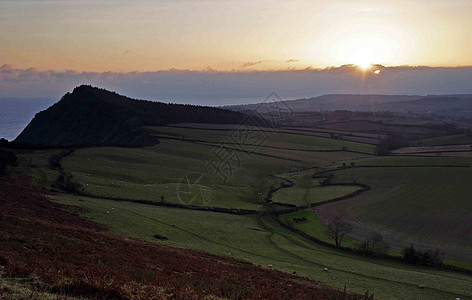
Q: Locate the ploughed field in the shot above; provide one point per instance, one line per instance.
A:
(410, 202)
(407, 193)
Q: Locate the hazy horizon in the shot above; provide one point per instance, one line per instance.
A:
(218, 88)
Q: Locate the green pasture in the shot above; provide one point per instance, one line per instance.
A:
(37, 163)
(304, 196)
(261, 241)
(418, 199)
(264, 138)
(162, 171)
(158, 173)
(412, 161)
(457, 139)
(312, 226)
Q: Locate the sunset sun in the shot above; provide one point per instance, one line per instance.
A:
(363, 56)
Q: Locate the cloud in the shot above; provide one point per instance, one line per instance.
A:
(291, 60)
(250, 64)
(212, 87)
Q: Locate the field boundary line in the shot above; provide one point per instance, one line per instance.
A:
(262, 146)
(294, 133)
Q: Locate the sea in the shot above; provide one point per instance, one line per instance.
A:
(16, 113)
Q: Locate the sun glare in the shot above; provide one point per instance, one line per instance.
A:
(363, 48)
(364, 65)
(363, 56)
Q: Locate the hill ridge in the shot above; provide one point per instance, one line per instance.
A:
(91, 116)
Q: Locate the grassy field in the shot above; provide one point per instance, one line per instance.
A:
(304, 196)
(261, 241)
(161, 171)
(458, 139)
(271, 139)
(306, 190)
(312, 226)
(426, 206)
(412, 199)
(150, 173)
(38, 163)
(409, 161)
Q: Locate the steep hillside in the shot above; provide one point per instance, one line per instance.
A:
(67, 255)
(93, 116)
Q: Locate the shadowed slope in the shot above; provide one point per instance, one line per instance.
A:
(93, 116)
(70, 255)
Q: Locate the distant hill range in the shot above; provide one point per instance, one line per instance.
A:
(446, 104)
(92, 116)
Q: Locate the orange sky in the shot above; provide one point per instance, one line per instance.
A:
(124, 36)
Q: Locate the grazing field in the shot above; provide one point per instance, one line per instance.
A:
(304, 196)
(413, 199)
(49, 252)
(322, 133)
(433, 149)
(409, 161)
(38, 162)
(427, 206)
(349, 133)
(160, 171)
(306, 190)
(261, 241)
(457, 139)
(467, 154)
(307, 221)
(299, 140)
(380, 127)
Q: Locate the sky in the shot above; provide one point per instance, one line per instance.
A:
(97, 42)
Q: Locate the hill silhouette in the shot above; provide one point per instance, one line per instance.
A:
(91, 116)
(371, 103)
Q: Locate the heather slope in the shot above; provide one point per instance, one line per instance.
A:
(70, 256)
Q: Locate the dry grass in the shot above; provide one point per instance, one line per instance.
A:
(67, 255)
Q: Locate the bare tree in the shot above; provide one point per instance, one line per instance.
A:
(337, 229)
(374, 245)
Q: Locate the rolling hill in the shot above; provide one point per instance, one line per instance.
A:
(49, 252)
(92, 116)
(373, 103)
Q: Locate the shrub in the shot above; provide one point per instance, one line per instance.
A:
(7, 158)
(160, 237)
(374, 246)
(414, 256)
(327, 180)
(66, 183)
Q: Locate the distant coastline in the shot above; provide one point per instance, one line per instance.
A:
(16, 113)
